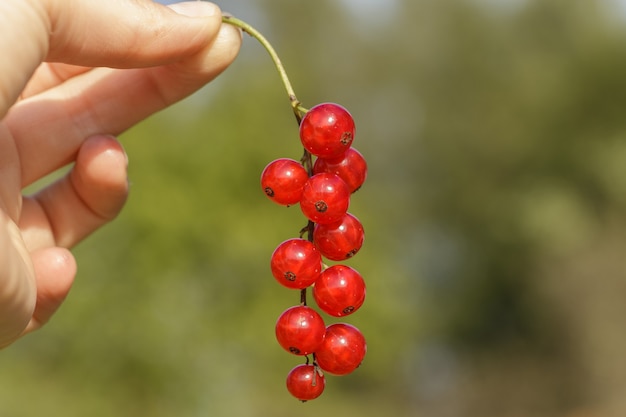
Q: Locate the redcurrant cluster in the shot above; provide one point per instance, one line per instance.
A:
(322, 188)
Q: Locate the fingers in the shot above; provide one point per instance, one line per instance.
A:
(48, 75)
(17, 283)
(123, 34)
(49, 127)
(10, 172)
(90, 195)
(55, 269)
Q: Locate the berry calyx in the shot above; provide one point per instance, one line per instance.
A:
(342, 350)
(350, 167)
(300, 330)
(306, 382)
(327, 130)
(341, 240)
(339, 291)
(296, 263)
(325, 198)
(283, 180)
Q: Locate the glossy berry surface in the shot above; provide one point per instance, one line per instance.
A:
(350, 167)
(296, 263)
(300, 330)
(305, 382)
(341, 240)
(327, 130)
(343, 349)
(339, 290)
(282, 181)
(325, 198)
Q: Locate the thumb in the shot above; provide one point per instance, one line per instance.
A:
(129, 33)
(119, 34)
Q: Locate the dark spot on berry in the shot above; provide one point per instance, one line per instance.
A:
(290, 276)
(294, 350)
(351, 253)
(269, 191)
(346, 138)
(348, 310)
(321, 206)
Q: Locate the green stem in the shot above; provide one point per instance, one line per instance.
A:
(298, 109)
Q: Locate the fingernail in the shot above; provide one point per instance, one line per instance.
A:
(195, 9)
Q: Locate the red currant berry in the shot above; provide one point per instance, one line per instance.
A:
(306, 382)
(327, 130)
(343, 349)
(282, 181)
(296, 263)
(300, 330)
(351, 168)
(339, 290)
(341, 240)
(325, 198)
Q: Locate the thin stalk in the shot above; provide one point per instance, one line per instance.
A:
(307, 162)
(298, 109)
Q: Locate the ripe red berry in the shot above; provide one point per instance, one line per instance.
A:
(327, 130)
(296, 263)
(325, 198)
(341, 240)
(350, 167)
(339, 290)
(343, 349)
(306, 382)
(300, 330)
(282, 181)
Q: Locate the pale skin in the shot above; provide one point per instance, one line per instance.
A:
(73, 75)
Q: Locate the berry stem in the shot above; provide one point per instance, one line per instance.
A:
(298, 109)
(307, 162)
(303, 296)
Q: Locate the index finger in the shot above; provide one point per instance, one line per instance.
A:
(121, 34)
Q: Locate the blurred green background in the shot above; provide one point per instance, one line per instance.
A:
(495, 253)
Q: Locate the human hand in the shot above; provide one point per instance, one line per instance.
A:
(73, 73)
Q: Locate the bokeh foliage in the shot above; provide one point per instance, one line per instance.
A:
(494, 217)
